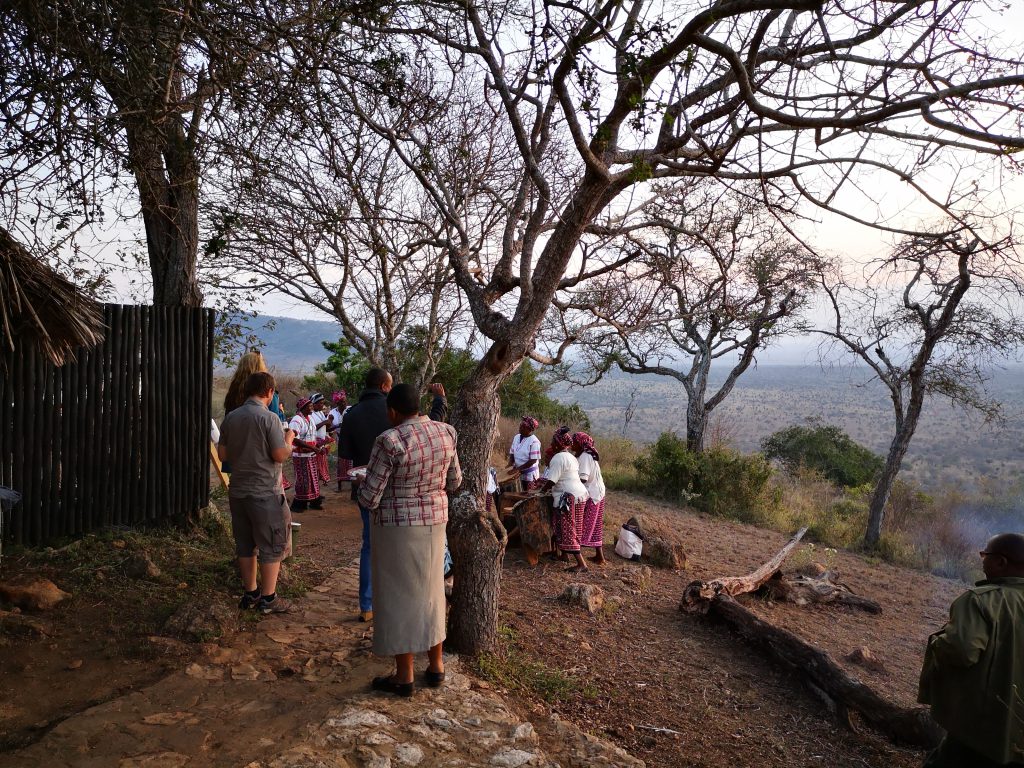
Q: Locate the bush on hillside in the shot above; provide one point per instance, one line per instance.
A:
(826, 449)
(718, 481)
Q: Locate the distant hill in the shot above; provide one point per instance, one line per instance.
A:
(951, 445)
(292, 345)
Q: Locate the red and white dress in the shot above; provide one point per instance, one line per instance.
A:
(593, 514)
(307, 477)
(570, 501)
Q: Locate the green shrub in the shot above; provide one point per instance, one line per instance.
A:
(718, 481)
(826, 449)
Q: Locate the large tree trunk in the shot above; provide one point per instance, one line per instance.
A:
(168, 177)
(476, 538)
(696, 409)
(897, 450)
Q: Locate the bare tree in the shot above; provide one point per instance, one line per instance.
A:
(597, 98)
(933, 318)
(332, 219)
(715, 279)
(90, 91)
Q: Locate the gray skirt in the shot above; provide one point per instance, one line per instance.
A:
(407, 571)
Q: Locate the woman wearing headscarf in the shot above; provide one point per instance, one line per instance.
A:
(324, 439)
(304, 458)
(412, 468)
(562, 478)
(590, 474)
(524, 455)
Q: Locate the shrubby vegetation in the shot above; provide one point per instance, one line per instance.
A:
(940, 533)
(826, 449)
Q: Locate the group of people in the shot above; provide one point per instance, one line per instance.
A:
(973, 674)
(410, 467)
(573, 478)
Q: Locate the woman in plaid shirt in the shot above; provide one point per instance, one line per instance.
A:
(411, 470)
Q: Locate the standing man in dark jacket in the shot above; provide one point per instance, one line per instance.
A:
(363, 422)
(973, 674)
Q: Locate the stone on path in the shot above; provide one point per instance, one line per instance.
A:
(200, 622)
(588, 596)
(39, 595)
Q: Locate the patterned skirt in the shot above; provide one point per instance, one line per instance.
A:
(568, 524)
(593, 524)
(307, 478)
(322, 468)
(344, 465)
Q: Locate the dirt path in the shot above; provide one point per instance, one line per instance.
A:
(293, 692)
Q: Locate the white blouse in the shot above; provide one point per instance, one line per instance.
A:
(590, 474)
(523, 449)
(305, 430)
(564, 472)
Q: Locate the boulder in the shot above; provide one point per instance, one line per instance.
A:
(864, 657)
(588, 596)
(663, 547)
(39, 595)
(200, 622)
(18, 625)
(141, 566)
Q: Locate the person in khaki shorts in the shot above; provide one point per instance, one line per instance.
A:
(253, 440)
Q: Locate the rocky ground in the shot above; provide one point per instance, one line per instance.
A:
(568, 686)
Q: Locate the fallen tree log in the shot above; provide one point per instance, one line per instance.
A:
(913, 726)
(802, 590)
(698, 594)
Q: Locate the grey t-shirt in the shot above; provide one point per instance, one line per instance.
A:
(250, 433)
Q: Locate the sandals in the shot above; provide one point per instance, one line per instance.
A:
(387, 685)
(434, 679)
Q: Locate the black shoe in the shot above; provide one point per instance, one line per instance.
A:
(277, 605)
(387, 685)
(298, 506)
(317, 503)
(248, 601)
(434, 679)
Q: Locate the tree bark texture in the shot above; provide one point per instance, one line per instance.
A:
(168, 177)
(897, 450)
(698, 595)
(476, 537)
(913, 726)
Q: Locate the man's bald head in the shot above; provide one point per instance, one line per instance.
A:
(1004, 555)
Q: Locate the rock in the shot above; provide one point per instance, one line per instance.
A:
(511, 758)
(155, 760)
(588, 596)
(355, 718)
(525, 731)
(15, 624)
(39, 595)
(245, 672)
(408, 754)
(662, 546)
(168, 645)
(200, 672)
(865, 658)
(141, 566)
(171, 718)
(812, 570)
(200, 622)
(72, 665)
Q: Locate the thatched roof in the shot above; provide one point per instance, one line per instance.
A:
(40, 306)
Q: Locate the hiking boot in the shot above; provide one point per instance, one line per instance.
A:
(248, 601)
(277, 605)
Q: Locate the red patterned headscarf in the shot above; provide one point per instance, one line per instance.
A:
(302, 403)
(529, 422)
(562, 438)
(338, 397)
(584, 443)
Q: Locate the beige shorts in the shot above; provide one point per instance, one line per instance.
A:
(261, 524)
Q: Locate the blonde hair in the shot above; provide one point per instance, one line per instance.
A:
(251, 362)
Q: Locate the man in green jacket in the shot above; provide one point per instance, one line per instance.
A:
(973, 674)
